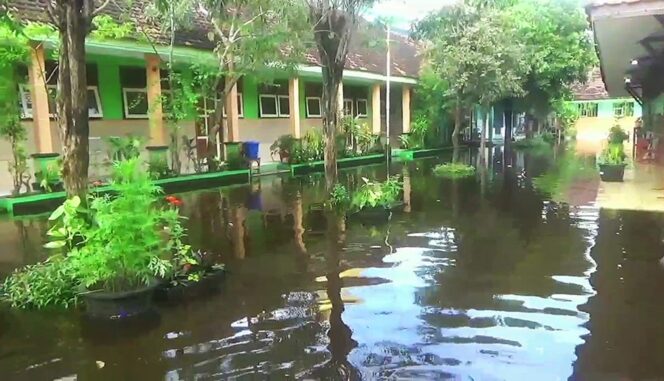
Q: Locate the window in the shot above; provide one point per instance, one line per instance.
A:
(361, 108)
(135, 103)
(284, 106)
(268, 105)
(25, 101)
(313, 107)
(588, 109)
(94, 102)
(348, 107)
(622, 109)
(273, 100)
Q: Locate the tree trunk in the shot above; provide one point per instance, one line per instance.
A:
(485, 126)
(72, 98)
(456, 131)
(508, 127)
(529, 126)
(331, 121)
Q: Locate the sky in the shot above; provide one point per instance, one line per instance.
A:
(404, 12)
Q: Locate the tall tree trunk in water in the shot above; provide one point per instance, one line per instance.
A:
(485, 127)
(529, 126)
(457, 129)
(331, 121)
(72, 98)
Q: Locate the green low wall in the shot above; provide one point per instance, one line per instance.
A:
(41, 202)
(319, 166)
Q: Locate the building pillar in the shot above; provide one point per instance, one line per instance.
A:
(232, 116)
(155, 111)
(375, 108)
(294, 107)
(405, 108)
(40, 111)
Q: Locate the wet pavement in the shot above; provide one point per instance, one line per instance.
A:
(499, 277)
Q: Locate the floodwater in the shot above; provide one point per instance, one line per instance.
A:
(494, 278)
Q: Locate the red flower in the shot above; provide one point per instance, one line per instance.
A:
(173, 200)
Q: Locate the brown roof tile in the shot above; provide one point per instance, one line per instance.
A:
(405, 58)
(593, 89)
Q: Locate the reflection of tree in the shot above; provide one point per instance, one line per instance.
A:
(340, 335)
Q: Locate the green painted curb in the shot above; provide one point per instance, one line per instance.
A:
(317, 166)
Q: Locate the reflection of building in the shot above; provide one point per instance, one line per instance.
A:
(598, 111)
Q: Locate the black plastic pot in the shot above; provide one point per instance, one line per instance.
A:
(183, 290)
(612, 172)
(100, 304)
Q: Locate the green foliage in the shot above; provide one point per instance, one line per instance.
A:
(454, 170)
(105, 28)
(124, 147)
(376, 194)
(617, 135)
(339, 199)
(50, 176)
(283, 146)
(536, 142)
(476, 51)
(158, 167)
(613, 154)
(567, 114)
(310, 148)
(559, 49)
(41, 285)
(432, 104)
(405, 141)
(358, 137)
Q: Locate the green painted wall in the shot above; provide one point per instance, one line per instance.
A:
(110, 89)
(250, 97)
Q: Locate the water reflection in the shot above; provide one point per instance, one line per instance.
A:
(484, 278)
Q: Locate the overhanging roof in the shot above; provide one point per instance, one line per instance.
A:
(619, 26)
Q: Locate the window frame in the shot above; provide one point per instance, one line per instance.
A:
(276, 105)
(126, 104)
(27, 113)
(320, 107)
(584, 107)
(366, 107)
(279, 99)
(349, 101)
(623, 106)
(240, 105)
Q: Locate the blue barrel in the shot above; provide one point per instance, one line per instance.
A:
(251, 150)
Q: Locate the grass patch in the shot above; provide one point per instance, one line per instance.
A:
(454, 170)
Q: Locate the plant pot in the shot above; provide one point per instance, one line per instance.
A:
(184, 290)
(118, 305)
(612, 172)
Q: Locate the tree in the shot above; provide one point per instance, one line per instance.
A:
(252, 37)
(334, 23)
(472, 48)
(73, 20)
(559, 52)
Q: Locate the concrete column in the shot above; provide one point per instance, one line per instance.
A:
(405, 107)
(232, 116)
(158, 135)
(375, 108)
(294, 107)
(40, 112)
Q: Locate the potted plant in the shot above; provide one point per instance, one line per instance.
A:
(377, 199)
(283, 146)
(612, 163)
(118, 247)
(194, 274)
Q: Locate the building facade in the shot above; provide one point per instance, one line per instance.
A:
(126, 84)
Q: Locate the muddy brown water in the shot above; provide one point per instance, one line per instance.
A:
(482, 279)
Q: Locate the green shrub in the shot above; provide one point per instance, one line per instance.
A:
(613, 154)
(454, 170)
(376, 194)
(44, 284)
(531, 143)
(124, 147)
(339, 199)
(617, 135)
